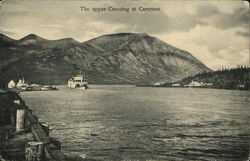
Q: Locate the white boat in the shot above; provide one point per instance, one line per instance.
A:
(48, 88)
(78, 81)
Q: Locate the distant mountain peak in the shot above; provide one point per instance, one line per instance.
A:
(66, 39)
(32, 37)
(2, 35)
(6, 38)
(127, 34)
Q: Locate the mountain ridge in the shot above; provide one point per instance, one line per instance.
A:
(123, 58)
(32, 36)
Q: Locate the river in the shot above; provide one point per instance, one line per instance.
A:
(115, 122)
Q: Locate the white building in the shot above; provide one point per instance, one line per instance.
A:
(176, 85)
(195, 84)
(157, 84)
(11, 84)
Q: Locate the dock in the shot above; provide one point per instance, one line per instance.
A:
(22, 136)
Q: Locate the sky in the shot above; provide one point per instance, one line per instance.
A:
(215, 32)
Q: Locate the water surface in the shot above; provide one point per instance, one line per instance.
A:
(141, 123)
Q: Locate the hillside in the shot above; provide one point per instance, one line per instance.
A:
(236, 78)
(12, 50)
(124, 58)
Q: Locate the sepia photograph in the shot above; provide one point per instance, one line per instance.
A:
(124, 80)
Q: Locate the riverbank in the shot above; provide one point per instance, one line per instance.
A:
(23, 137)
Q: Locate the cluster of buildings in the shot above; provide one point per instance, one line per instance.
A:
(21, 83)
(193, 84)
(198, 84)
(23, 86)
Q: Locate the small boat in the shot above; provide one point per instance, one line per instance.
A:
(78, 81)
(36, 87)
(26, 88)
(49, 88)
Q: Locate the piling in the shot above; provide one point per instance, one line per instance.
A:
(45, 128)
(20, 119)
(34, 151)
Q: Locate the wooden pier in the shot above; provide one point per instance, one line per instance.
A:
(22, 136)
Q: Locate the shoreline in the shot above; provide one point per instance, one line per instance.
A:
(191, 87)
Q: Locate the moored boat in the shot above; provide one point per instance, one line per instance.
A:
(49, 88)
(36, 87)
(26, 88)
(78, 81)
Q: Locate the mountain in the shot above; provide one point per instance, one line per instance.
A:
(33, 41)
(124, 58)
(12, 50)
(6, 41)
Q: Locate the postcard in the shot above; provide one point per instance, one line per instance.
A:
(124, 80)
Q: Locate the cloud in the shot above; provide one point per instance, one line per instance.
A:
(243, 34)
(210, 45)
(205, 28)
(157, 22)
(240, 17)
(7, 32)
(207, 10)
(150, 22)
(227, 58)
(174, 16)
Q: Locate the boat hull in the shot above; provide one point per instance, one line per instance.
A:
(48, 89)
